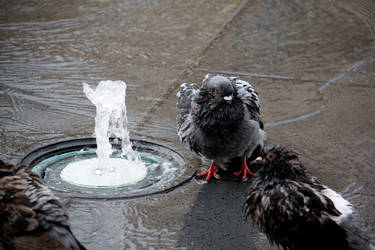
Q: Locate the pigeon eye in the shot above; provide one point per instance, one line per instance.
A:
(271, 156)
(217, 91)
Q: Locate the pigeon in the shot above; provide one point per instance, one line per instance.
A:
(220, 120)
(31, 216)
(295, 210)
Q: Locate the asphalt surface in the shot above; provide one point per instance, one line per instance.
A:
(313, 65)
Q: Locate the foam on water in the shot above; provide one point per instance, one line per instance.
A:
(110, 120)
(85, 173)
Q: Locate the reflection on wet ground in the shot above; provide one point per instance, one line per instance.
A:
(311, 61)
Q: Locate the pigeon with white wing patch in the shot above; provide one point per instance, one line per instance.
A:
(295, 210)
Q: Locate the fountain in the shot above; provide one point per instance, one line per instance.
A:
(111, 120)
(111, 165)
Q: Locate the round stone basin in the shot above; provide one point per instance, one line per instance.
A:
(164, 172)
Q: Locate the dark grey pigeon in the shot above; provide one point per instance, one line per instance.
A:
(31, 216)
(220, 120)
(295, 210)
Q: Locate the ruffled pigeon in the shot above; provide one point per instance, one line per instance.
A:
(31, 216)
(220, 120)
(295, 210)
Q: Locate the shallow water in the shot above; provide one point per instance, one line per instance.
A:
(48, 51)
(292, 51)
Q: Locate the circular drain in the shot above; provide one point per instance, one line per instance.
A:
(166, 169)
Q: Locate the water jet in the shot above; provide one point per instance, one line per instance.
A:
(111, 165)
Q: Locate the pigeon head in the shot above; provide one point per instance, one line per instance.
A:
(279, 161)
(218, 104)
(218, 88)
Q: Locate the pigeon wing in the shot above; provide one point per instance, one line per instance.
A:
(29, 208)
(50, 212)
(249, 97)
(290, 212)
(184, 99)
(186, 94)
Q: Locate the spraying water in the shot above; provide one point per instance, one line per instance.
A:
(110, 120)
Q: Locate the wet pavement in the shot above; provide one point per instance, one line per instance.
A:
(313, 63)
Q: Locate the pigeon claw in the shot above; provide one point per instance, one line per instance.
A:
(210, 172)
(244, 170)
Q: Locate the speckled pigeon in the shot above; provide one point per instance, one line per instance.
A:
(31, 216)
(295, 210)
(220, 120)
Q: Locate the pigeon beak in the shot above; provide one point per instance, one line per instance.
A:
(228, 98)
(257, 160)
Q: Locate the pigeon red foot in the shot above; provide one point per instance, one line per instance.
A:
(210, 172)
(244, 170)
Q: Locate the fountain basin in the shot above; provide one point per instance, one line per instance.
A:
(120, 172)
(165, 168)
